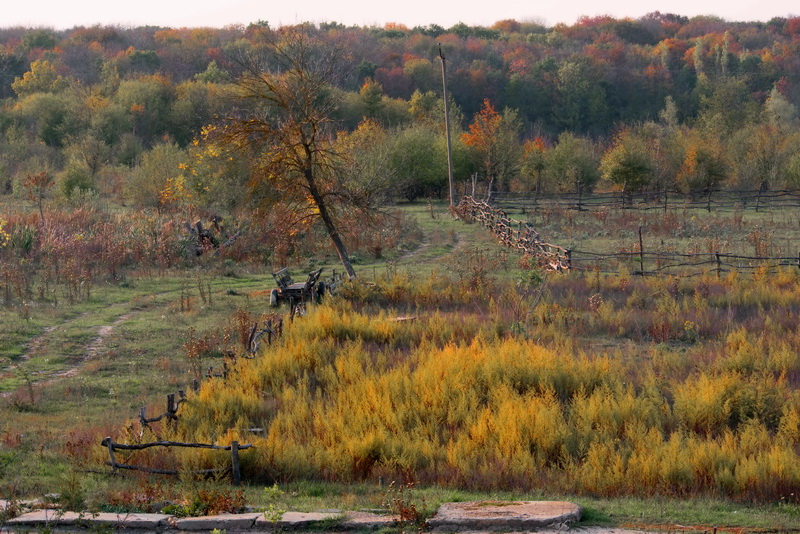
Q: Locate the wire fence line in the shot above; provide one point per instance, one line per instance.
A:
(710, 200)
(661, 263)
(521, 235)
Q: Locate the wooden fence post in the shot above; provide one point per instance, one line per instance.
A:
(235, 468)
(171, 408)
(641, 252)
(719, 265)
(110, 444)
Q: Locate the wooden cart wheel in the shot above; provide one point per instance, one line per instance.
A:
(321, 290)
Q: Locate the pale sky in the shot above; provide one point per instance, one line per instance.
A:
(61, 14)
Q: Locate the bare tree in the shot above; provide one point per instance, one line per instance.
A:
(283, 124)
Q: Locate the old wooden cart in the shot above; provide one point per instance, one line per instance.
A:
(296, 293)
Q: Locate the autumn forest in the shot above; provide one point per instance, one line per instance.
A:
(691, 103)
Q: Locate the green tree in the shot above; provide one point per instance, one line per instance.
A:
(573, 164)
(212, 74)
(417, 161)
(147, 100)
(581, 100)
(39, 38)
(366, 168)
(110, 122)
(423, 106)
(371, 93)
(192, 108)
(51, 118)
(425, 75)
(728, 107)
(780, 112)
(626, 163)
(149, 178)
(535, 162)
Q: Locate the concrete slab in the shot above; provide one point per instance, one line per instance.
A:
(296, 520)
(67, 519)
(367, 521)
(132, 520)
(222, 522)
(47, 517)
(504, 515)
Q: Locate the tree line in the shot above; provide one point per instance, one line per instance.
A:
(663, 101)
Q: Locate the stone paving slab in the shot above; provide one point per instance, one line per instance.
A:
(221, 522)
(67, 519)
(46, 517)
(504, 515)
(296, 520)
(477, 516)
(366, 521)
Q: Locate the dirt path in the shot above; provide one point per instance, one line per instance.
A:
(425, 244)
(92, 349)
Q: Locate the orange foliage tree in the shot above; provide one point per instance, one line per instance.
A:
(284, 127)
(494, 138)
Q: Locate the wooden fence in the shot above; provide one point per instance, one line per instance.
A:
(234, 447)
(515, 234)
(664, 200)
(660, 263)
(520, 235)
(272, 329)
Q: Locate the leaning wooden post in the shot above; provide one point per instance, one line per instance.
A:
(641, 252)
(110, 444)
(143, 417)
(235, 468)
(758, 198)
(719, 265)
(171, 408)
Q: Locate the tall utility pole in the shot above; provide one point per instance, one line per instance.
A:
(447, 128)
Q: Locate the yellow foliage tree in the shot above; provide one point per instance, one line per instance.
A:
(42, 78)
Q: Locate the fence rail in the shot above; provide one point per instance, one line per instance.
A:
(234, 447)
(664, 200)
(660, 263)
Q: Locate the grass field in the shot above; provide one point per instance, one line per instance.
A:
(74, 372)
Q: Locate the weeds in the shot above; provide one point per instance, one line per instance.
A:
(401, 503)
(465, 399)
(271, 495)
